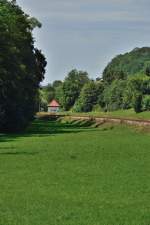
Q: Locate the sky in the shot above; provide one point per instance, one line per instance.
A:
(87, 34)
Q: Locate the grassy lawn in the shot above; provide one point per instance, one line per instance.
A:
(65, 174)
(125, 114)
(129, 114)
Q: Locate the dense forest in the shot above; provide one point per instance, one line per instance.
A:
(136, 61)
(125, 84)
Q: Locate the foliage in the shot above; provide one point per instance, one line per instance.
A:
(146, 102)
(111, 75)
(137, 102)
(124, 94)
(49, 92)
(130, 63)
(114, 95)
(57, 83)
(125, 83)
(139, 86)
(100, 86)
(97, 108)
(147, 68)
(87, 99)
(42, 100)
(59, 93)
(71, 87)
(22, 67)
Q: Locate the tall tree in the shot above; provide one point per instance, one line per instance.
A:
(113, 95)
(88, 98)
(22, 67)
(72, 86)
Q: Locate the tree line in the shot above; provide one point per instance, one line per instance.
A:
(125, 84)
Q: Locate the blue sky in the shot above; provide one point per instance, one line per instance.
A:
(87, 34)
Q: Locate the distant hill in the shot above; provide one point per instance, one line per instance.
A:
(129, 63)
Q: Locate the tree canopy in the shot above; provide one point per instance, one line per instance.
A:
(72, 86)
(136, 61)
(22, 67)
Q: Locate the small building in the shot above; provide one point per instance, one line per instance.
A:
(53, 106)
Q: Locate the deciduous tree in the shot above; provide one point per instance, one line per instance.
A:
(22, 67)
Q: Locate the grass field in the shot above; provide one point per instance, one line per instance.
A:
(125, 114)
(130, 114)
(67, 174)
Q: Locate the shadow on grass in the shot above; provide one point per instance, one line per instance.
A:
(42, 127)
(48, 127)
(19, 153)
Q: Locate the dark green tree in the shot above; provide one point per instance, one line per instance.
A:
(72, 86)
(138, 86)
(147, 69)
(88, 98)
(128, 64)
(137, 103)
(113, 95)
(22, 67)
(49, 92)
(146, 103)
(57, 83)
(100, 86)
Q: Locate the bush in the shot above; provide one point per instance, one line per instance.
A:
(146, 102)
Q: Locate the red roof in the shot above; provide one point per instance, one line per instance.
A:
(54, 103)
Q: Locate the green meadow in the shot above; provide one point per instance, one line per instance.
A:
(69, 173)
(125, 114)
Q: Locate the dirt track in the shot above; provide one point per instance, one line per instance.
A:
(137, 122)
(117, 120)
